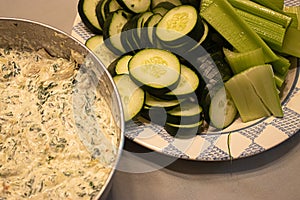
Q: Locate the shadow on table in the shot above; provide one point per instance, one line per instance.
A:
(215, 167)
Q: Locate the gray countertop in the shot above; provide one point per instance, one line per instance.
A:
(272, 175)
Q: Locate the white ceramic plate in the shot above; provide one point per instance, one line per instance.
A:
(237, 141)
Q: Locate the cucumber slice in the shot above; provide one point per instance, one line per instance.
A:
(155, 115)
(154, 3)
(188, 83)
(87, 13)
(222, 110)
(94, 41)
(178, 23)
(148, 36)
(185, 113)
(183, 130)
(112, 31)
(135, 6)
(156, 70)
(119, 66)
(100, 13)
(152, 101)
(132, 96)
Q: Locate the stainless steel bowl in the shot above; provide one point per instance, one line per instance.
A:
(21, 33)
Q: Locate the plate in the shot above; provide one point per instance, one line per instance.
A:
(239, 140)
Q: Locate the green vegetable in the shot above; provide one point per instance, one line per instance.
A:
(242, 61)
(223, 17)
(222, 110)
(261, 11)
(291, 43)
(262, 79)
(132, 96)
(155, 70)
(254, 93)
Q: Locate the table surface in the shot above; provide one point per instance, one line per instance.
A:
(147, 175)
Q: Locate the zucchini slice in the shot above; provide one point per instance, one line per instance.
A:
(154, 3)
(112, 31)
(155, 70)
(94, 41)
(100, 12)
(155, 115)
(183, 130)
(178, 23)
(148, 36)
(119, 66)
(132, 96)
(135, 6)
(185, 113)
(188, 83)
(87, 13)
(152, 101)
(222, 110)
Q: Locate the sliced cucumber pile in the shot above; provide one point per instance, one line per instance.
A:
(129, 25)
(169, 87)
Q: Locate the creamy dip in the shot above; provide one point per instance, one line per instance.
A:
(45, 113)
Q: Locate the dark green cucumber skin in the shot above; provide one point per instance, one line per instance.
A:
(195, 3)
(167, 5)
(181, 132)
(155, 115)
(106, 34)
(85, 20)
(184, 119)
(153, 90)
(101, 16)
(125, 7)
(146, 42)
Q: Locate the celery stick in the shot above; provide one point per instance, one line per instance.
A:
(279, 79)
(246, 100)
(281, 66)
(262, 79)
(291, 43)
(262, 11)
(242, 61)
(271, 32)
(295, 12)
(276, 5)
(223, 17)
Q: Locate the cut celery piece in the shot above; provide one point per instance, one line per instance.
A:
(295, 11)
(223, 17)
(291, 43)
(282, 65)
(262, 11)
(274, 5)
(242, 61)
(262, 79)
(271, 32)
(245, 98)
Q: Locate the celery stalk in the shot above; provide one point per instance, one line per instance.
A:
(262, 11)
(242, 61)
(281, 66)
(271, 32)
(262, 79)
(246, 100)
(291, 43)
(274, 5)
(294, 12)
(223, 17)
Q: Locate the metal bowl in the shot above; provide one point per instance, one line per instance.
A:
(21, 33)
